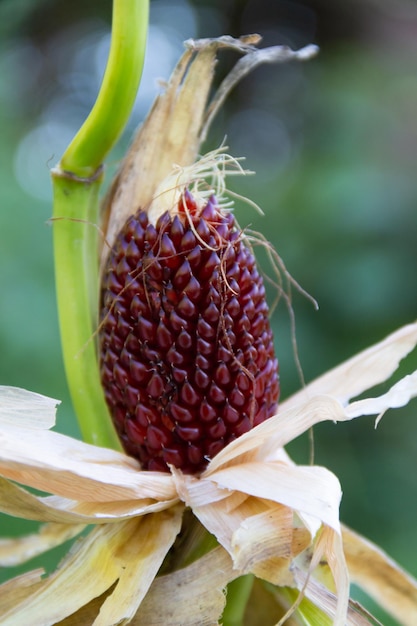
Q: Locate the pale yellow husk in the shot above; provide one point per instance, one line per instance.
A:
(101, 559)
(263, 509)
(28, 408)
(190, 596)
(373, 570)
(163, 153)
(16, 551)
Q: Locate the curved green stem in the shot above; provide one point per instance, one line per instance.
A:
(74, 293)
(76, 184)
(118, 91)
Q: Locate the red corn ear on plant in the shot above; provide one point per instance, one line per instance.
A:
(206, 499)
(187, 355)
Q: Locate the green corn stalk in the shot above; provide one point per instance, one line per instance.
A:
(76, 183)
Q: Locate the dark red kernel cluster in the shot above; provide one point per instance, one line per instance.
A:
(186, 348)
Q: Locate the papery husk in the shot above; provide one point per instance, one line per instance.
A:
(17, 589)
(18, 550)
(129, 554)
(264, 510)
(310, 489)
(362, 371)
(87, 571)
(171, 135)
(18, 502)
(321, 607)
(74, 469)
(266, 543)
(259, 531)
(187, 597)
(381, 577)
(27, 408)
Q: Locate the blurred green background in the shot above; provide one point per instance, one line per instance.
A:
(334, 146)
